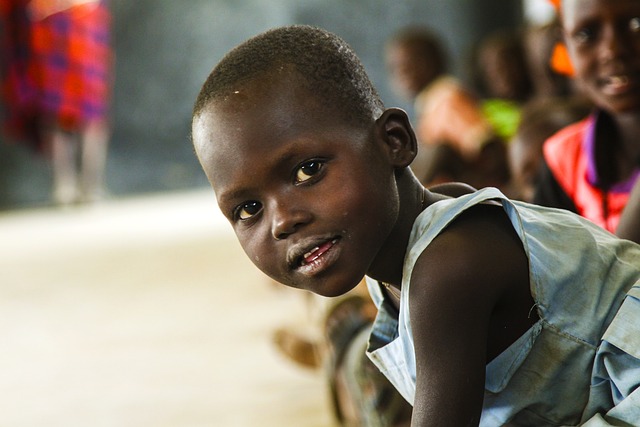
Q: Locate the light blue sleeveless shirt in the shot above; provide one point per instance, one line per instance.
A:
(581, 358)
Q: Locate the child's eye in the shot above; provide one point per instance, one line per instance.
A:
(584, 35)
(247, 210)
(307, 170)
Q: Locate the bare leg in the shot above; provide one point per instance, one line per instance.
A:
(94, 142)
(63, 153)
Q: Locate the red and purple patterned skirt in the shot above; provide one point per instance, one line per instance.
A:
(57, 70)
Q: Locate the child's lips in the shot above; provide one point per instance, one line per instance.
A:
(315, 257)
(619, 84)
(317, 252)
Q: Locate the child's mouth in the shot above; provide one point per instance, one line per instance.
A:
(618, 84)
(317, 252)
(319, 258)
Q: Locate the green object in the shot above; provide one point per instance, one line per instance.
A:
(503, 115)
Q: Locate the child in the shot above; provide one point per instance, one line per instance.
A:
(503, 79)
(592, 165)
(457, 140)
(489, 310)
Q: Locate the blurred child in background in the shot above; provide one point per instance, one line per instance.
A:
(504, 80)
(591, 167)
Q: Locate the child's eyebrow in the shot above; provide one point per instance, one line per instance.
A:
(289, 155)
(225, 197)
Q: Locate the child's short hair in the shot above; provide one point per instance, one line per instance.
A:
(327, 64)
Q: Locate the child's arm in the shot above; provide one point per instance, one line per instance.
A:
(629, 226)
(469, 283)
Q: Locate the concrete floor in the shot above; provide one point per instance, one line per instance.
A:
(143, 312)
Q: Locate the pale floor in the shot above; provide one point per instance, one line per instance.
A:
(143, 312)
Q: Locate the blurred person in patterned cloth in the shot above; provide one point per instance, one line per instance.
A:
(56, 85)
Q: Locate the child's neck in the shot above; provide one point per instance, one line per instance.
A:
(617, 147)
(413, 198)
(629, 133)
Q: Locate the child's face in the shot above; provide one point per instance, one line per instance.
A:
(603, 38)
(409, 70)
(310, 196)
(504, 75)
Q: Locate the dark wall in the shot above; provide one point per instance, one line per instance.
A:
(166, 48)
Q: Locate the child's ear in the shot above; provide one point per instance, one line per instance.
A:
(397, 134)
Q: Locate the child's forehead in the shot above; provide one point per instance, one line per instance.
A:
(259, 99)
(266, 107)
(278, 104)
(575, 8)
(267, 87)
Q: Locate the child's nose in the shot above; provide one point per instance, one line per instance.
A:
(287, 219)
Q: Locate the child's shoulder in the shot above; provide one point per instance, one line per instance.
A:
(475, 227)
(478, 251)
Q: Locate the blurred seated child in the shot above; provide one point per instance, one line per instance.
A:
(541, 118)
(457, 141)
(360, 394)
(503, 80)
(490, 311)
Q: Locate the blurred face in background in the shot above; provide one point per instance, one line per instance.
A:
(603, 39)
(410, 69)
